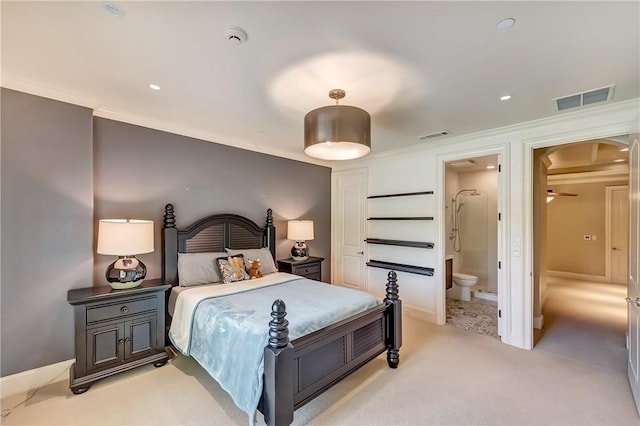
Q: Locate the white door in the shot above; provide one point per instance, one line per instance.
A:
(619, 207)
(349, 219)
(633, 283)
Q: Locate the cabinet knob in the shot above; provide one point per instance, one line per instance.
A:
(120, 341)
(124, 309)
(127, 340)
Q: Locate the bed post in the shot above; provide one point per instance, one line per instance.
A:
(270, 233)
(278, 370)
(169, 246)
(393, 315)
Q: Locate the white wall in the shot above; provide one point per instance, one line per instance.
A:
(422, 168)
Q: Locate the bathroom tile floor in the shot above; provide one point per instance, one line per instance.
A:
(478, 315)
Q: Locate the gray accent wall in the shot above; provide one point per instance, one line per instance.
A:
(138, 170)
(63, 170)
(46, 228)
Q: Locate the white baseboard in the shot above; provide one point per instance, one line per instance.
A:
(576, 276)
(419, 314)
(538, 322)
(33, 379)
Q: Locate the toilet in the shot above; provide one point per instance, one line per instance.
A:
(464, 282)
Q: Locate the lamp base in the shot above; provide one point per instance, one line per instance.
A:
(300, 251)
(126, 272)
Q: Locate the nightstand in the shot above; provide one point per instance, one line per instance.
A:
(310, 268)
(116, 330)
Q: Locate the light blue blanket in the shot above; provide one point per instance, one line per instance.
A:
(229, 333)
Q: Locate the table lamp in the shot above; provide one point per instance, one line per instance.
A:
(300, 231)
(125, 238)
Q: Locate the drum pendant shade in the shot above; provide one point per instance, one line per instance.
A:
(337, 132)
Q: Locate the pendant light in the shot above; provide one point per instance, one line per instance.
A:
(337, 132)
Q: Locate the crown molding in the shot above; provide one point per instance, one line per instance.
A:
(530, 128)
(201, 135)
(57, 94)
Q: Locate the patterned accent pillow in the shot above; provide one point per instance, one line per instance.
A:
(267, 265)
(232, 268)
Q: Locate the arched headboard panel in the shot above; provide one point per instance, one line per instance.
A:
(211, 234)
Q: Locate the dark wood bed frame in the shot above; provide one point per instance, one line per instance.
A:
(295, 371)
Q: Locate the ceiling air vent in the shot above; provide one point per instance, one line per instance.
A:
(434, 135)
(585, 98)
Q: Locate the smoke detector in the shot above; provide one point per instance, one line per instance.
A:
(235, 35)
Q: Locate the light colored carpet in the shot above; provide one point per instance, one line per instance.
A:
(447, 376)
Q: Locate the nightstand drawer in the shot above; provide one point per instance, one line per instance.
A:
(121, 309)
(307, 269)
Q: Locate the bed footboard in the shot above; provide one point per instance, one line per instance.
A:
(298, 371)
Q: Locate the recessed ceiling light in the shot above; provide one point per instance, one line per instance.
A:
(505, 97)
(154, 86)
(113, 9)
(491, 167)
(619, 160)
(505, 24)
(623, 149)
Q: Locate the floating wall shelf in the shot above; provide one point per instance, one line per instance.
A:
(421, 270)
(402, 218)
(403, 194)
(401, 243)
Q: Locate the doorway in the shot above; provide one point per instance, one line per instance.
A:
(471, 242)
(578, 203)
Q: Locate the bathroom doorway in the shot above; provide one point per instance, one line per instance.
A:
(471, 218)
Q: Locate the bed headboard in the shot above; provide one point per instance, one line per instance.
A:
(211, 234)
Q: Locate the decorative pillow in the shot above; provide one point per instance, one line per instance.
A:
(232, 268)
(198, 268)
(267, 265)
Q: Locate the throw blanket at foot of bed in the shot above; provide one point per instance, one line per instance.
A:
(228, 333)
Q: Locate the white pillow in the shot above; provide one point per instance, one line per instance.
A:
(198, 268)
(267, 265)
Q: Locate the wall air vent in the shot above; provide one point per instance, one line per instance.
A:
(434, 135)
(585, 98)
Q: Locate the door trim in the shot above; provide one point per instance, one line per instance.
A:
(607, 256)
(337, 219)
(502, 195)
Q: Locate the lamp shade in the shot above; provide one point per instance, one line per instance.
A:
(337, 132)
(125, 237)
(300, 230)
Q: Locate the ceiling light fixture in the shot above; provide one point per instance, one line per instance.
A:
(154, 86)
(623, 149)
(505, 97)
(505, 24)
(337, 132)
(491, 167)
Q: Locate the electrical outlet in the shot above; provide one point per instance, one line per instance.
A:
(594, 237)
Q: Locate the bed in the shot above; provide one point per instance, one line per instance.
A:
(295, 362)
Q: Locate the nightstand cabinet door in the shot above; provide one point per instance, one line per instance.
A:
(139, 336)
(104, 346)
